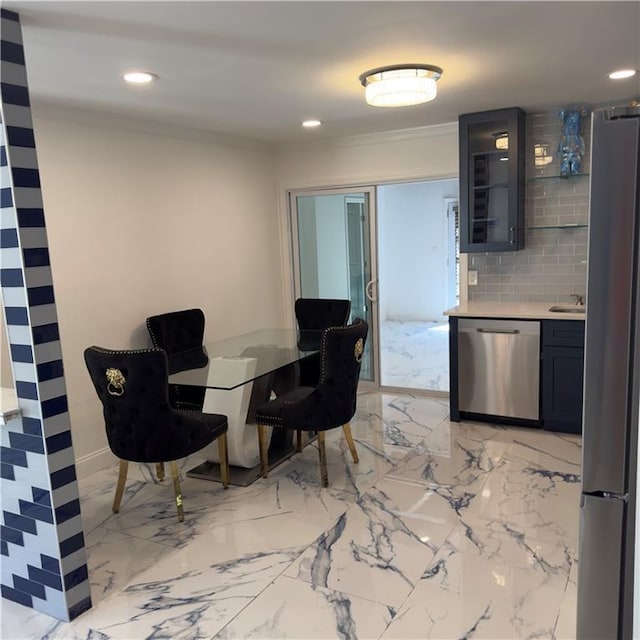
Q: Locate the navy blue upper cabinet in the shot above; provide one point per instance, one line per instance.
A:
(492, 166)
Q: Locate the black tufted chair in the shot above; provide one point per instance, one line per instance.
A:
(330, 404)
(140, 423)
(313, 315)
(180, 334)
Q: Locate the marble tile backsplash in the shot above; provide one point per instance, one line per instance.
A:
(553, 264)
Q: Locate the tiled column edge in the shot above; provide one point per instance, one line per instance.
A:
(41, 538)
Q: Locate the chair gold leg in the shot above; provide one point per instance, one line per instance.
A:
(122, 478)
(349, 438)
(160, 471)
(223, 459)
(322, 450)
(298, 440)
(175, 474)
(262, 443)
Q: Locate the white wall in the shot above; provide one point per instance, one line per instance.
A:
(428, 152)
(413, 250)
(143, 223)
(142, 219)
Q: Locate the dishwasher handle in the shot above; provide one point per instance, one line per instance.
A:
(509, 331)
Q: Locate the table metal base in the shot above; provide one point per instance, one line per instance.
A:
(243, 477)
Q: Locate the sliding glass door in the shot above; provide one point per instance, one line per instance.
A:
(333, 238)
(393, 250)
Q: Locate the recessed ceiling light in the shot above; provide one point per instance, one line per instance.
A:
(139, 77)
(621, 74)
(310, 124)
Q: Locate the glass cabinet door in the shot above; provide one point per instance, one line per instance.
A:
(491, 180)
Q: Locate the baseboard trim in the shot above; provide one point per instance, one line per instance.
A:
(93, 462)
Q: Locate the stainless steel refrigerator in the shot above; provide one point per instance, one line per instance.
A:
(606, 551)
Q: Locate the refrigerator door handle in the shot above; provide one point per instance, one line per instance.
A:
(624, 497)
(607, 495)
(600, 558)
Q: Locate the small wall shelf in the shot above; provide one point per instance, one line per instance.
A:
(560, 226)
(556, 177)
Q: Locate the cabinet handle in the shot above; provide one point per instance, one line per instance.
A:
(511, 331)
(512, 235)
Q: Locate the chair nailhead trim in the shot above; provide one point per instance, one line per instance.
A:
(127, 351)
(154, 338)
(322, 344)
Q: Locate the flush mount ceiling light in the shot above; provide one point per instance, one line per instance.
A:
(310, 124)
(139, 77)
(621, 74)
(400, 85)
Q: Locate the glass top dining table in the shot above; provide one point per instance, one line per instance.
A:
(241, 359)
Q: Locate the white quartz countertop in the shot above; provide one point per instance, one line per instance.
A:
(528, 310)
(8, 405)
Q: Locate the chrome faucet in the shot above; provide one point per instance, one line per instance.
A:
(579, 299)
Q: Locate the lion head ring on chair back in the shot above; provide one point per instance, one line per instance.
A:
(141, 425)
(330, 404)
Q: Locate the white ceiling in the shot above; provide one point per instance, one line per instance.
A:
(257, 69)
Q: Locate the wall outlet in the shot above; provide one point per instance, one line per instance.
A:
(473, 278)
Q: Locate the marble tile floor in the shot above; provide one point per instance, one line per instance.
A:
(443, 530)
(414, 354)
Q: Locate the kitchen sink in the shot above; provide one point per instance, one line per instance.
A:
(567, 309)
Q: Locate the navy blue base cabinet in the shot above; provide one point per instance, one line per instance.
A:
(562, 375)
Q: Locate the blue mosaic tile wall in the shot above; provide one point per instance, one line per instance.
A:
(42, 549)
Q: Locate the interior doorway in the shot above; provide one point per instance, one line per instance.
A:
(418, 271)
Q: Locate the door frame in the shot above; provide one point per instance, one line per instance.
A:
(451, 209)
(370, 190)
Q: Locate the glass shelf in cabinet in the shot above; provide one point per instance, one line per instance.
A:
(490, 152)
(496, 185)
(556, 177)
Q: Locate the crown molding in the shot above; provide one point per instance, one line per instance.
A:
(399, 135)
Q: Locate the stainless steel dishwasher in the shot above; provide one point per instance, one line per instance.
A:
(499, 367)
